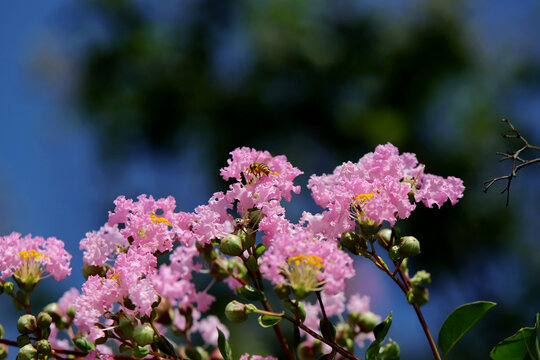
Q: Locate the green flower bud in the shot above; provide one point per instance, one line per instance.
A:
(54, 311)
(367, 321)
(44, 320)
(218, 269)
(236, 312)
(124, 347)
(420, 295)
(385, 238)
(368, 227)
(260, 250)
(282, 290)
(409, 246)
(43, 347)
(394, 253)
(342, 333)
(8, 287)
(23, 340)
(143, 334)
(83, 344)
(421, 277)
(140, 352)
(353, 242)
(231, 245)
(390, 351)
(2, 332)
(205, 250)
(3, 351)
(252, 263)
(27, 352)
(27, 324)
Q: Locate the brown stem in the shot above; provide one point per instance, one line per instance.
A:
(279, 333)
(427, 332)
(332, 344)
(326, 321)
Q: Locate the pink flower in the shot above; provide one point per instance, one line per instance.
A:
(207, 327)
(99, 246)
(68, 299)
(247, 356)
(28, 258)
(308, 263)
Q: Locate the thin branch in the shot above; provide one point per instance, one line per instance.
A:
(517, 162)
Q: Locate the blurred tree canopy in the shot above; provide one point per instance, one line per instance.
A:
(305, 78)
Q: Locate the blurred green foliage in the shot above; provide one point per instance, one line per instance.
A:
(320, 81)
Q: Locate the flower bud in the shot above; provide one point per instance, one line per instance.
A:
(385, 238)
(54, 311)
(236, 312)
(231, 245)
(252, 263)
(218, 269)
(352, 242)
(8, 287)
(143, 334)
(140, 352)
(23, 340)
(422, 277)
(27, 352)
(2, 332)
(83, 344)
(3, 351)
(43, 348)
(367, 321)
(205, 250)
(409, 246)
(368, 227)
(418, 295)
(394, 253)
(26, 324)
(44, 320)
(282, 290)
(389, 351)
(125, 325)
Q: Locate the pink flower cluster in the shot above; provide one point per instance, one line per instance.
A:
(379, 185)
(33, 256)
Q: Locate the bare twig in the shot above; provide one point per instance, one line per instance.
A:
(517, 162)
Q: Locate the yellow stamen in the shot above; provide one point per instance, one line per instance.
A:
(308, 260)
(159, 219)
(363, 198)
(28, 254)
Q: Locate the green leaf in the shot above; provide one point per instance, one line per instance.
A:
(380, 332)
(520, 346)
(224, 347)
(269, 320)
(166, 345)
(328, 331)
(459, 322)
(250, 293)
(327, 357)
(292, 305)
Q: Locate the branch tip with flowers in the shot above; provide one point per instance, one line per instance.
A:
(243, 238)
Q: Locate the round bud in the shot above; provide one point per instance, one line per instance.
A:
(231, 245)
(419, 295)
(140, 352)
(368, 227)
(43, 347)
(367, 321)
(282, 290)
(350, 240)
(27, 352)
(2, 332)
(44, 320)
(23, 340)
(143, 334)
(385, 238)
(70, 312)
(236, 312)
(306, 351)
(54, 311)
(125, 325)
(8, 287)
(409, 246)
(27, 324)
(3, 351)
(394, 253)
(390, 351)
(422, 277)
(83, 344)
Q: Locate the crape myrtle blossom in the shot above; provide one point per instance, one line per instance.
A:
(29, 259)
(100, 246)
(306, 263)
(378, 187)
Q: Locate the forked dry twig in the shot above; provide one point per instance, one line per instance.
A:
(517, 162)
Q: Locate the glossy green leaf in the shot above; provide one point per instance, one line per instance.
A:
(459, 322)
(269, 320)
(520, 346)
(328, 331)
(224, 346)
(380, 332)
(250, 293)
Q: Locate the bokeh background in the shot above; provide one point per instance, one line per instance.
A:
(111, 97)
